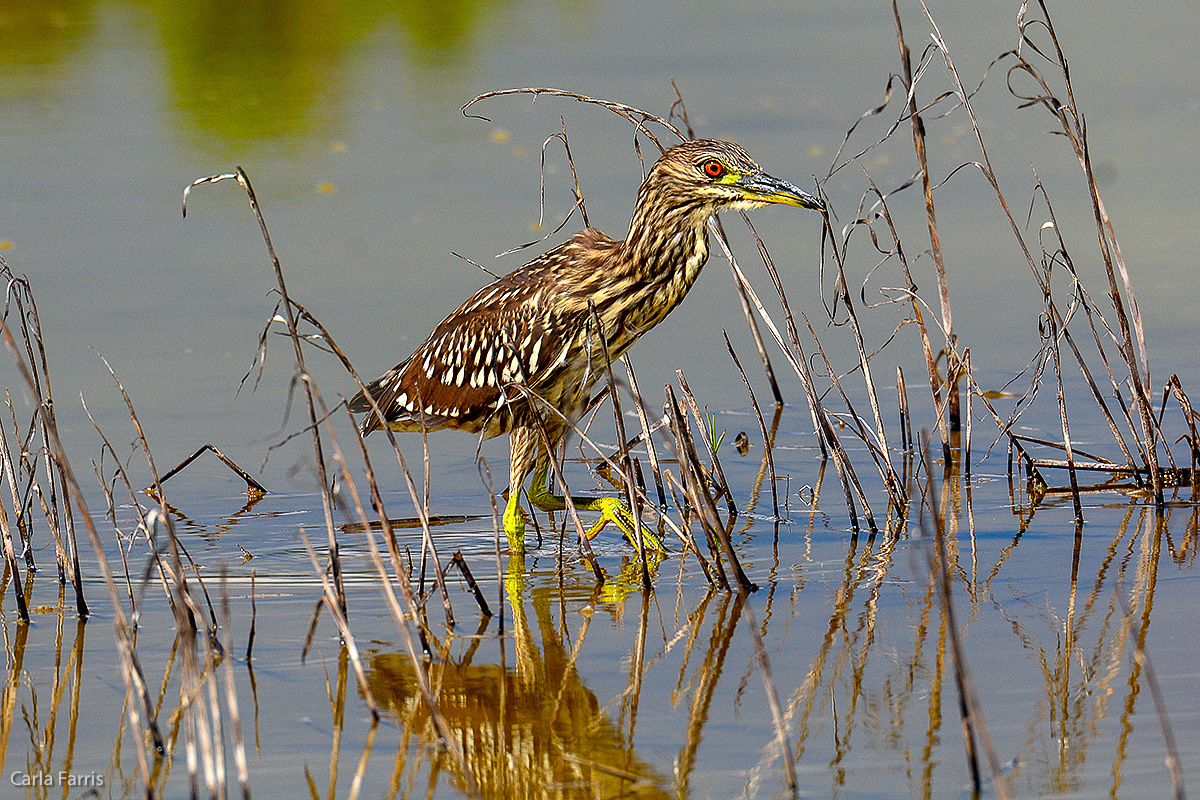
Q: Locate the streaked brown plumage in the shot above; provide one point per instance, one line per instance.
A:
(533, 326)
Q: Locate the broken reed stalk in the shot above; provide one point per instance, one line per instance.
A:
(876, 449)
(460, 562)
(762, 425)
(34, 369)
(910, 291)
(1189, 416)
(697, 489)
(176, 547)
(718, 474)
(686, 482)
(252, 485)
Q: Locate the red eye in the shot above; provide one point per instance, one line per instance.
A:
(713, 168)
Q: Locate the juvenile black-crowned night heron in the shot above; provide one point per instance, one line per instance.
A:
(524, 348)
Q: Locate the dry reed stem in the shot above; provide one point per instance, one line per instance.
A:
(312, 397)
(22, 508)
(460, 562)
(702, 501)
(421, 506)
(330, 601)
(406, 591)
(140, 711)
(639, 406)
(176, 546)
(485, 475)
(1189, 416)
(717, 474)
(635, 116)
(301, 370)
(35, 373)
(826, 434)
(253, 617)
(10, 554)
(918, 127)
(1073, 129)
(762, 425)
(626, 472)
(685, 486)
(759, 344)
(880, 448)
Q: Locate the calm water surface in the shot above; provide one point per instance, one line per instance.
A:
(346, 119)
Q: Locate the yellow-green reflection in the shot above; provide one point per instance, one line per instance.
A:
(252, 71)
(40, 35)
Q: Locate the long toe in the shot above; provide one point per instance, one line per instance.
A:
(615, 511)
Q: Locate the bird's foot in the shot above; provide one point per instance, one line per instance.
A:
(611, 510)
(617, 512)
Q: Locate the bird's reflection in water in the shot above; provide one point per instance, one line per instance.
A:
(532, 730)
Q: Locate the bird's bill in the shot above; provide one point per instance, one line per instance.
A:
(766, 189)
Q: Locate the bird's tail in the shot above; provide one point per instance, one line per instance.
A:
(360, 404)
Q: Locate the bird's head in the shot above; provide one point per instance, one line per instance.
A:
(708, 176)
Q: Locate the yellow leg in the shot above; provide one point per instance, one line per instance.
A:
(514, 521)
(525, 444)
(611, 509)
(524, 447)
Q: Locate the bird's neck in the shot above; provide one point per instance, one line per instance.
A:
(660, 259)
(667, 244)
